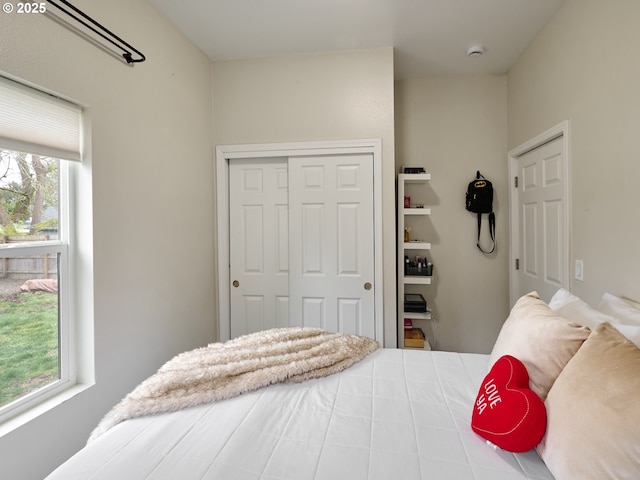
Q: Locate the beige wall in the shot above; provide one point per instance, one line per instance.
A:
(585, 67)
(152, 206)
(454, 126)
(337, 96)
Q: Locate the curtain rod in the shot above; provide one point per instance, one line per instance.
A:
(88, 22)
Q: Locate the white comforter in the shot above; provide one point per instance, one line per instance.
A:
(398, 414)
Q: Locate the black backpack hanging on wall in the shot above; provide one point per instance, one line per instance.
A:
(479, 201)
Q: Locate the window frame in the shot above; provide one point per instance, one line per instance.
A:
(66, 322)
(75, 246)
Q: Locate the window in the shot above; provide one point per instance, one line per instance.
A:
(40, 146)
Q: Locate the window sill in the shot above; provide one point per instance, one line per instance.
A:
(45, 406)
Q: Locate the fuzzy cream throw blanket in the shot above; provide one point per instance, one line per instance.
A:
(225, 370)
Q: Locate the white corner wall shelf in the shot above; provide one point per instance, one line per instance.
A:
(412, 250)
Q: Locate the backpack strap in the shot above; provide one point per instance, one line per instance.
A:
(492, 232)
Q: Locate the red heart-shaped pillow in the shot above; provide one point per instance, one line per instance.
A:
(507, 412)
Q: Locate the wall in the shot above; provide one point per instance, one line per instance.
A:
(337, 96)
(454, 126)
(585, 67)
(152, 166)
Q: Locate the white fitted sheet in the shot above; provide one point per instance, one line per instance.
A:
(398, 414)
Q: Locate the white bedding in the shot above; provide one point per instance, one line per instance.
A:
(398, 414)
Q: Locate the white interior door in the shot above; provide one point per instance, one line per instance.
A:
(542, 223)
(259, 250)
(331, 247)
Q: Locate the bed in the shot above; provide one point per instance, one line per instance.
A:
(392, 414)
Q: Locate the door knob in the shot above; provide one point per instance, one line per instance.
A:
(236, 283)
(367, 286)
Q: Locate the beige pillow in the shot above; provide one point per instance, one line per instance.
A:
(541, 339)
(593, 411)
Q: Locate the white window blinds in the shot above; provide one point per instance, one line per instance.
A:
(32, 121)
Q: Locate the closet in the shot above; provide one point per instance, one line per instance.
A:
(301, 242)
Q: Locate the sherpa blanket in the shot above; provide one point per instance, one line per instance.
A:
(225, 370)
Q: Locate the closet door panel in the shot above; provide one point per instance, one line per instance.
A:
(259, 245)
(331, 251)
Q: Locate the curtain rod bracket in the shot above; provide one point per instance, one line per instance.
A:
(89, 23)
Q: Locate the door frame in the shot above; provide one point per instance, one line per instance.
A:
(560, 130)
(226, 153)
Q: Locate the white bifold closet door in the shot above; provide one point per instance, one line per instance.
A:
(302, 243)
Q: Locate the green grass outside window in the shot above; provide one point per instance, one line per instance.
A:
(28, 343)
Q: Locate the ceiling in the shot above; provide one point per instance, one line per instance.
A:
(430, 37)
